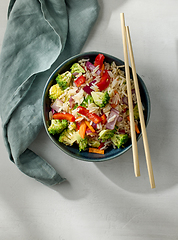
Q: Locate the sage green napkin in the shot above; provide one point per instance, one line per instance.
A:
(40, 35)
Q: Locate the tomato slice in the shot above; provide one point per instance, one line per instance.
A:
(99, 60)
(80, 80)
(104, 82)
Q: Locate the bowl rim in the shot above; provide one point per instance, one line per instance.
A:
(73, 155)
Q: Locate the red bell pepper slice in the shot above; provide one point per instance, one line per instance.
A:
(69, 117)
(101, 145)
(92, 116)
(80, 80)
(82, 110)
(99, 60)
(124, 110)
(78, 125)
(104, 82)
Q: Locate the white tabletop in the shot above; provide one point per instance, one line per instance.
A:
(105, 200)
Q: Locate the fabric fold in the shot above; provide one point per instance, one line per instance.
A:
(39, 36)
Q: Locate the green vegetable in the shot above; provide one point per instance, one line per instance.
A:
(94, 143)
(68, 137)
(100, 98)
(106, 134)
(64, 79)
(72, 126)
(83, 144)
(57, 126)
(135, 112)
(76, 105)
(119, 139)
(55, 91)
(87, 101)
(76, 68)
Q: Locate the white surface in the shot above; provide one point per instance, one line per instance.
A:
(104, 200)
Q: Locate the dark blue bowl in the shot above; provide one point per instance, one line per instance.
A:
(73, 151)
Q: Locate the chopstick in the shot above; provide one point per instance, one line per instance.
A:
(126, 34)
(130, 103)
(142, 121)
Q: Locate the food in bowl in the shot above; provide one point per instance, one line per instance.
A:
(89, 106)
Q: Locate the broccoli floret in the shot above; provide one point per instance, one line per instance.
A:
(87, 101)
(68, 137)
(57, 126)
(135, 112)
(55, 91)
(76, 68)
(64, 79)
(83, 144)
(94, 143)
(119, 139)
(100, 98)
(106, 134)
(72, 126)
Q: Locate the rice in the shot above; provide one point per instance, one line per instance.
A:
(96, 69)
(99, 126)
(50, 115)
(75, 113)
(107, 108)
(93, 108)
(65, 107)
(72, 91)
(79, 97)
(117, 90)
(115, 98)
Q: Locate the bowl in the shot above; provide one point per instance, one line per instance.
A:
(73, 151)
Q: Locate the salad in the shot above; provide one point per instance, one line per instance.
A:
(89, 106)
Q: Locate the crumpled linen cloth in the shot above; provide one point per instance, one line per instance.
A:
(40, 34)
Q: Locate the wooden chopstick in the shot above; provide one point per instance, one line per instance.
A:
(142, 121)
(130, 103)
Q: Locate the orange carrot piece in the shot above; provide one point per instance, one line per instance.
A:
(96, 150)
(136, 127)
(113, 105)
(102, 67)
(89, 126)
(82, 129)
(104, 119)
